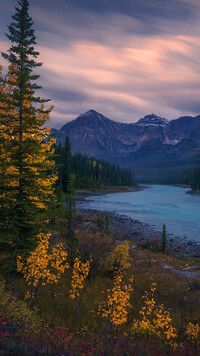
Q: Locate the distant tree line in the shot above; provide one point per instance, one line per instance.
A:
(185, 176)
(195, 180)
(89, 172)
(189, 176)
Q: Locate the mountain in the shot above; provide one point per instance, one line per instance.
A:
(151, 141)
(153, 120)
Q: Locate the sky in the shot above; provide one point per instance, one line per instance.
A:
(122, 58)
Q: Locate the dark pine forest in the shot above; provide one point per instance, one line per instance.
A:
(89, 172)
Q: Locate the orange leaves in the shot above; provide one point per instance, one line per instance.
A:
(79, 274)
(193, 333)
(57, 263)
(115, 308)
(154, 320)
(43, 265)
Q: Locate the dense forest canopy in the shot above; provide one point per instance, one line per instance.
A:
(88, 171)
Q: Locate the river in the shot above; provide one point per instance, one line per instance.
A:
(156, 205)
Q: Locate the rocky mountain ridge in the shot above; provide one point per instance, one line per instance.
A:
(151, 140)
(152, 120)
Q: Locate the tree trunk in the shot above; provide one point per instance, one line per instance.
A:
(21, 183)
(54, 291)
(77, 307)
(31, 294)
(35, 293)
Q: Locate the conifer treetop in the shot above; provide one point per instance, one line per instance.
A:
(22, 51)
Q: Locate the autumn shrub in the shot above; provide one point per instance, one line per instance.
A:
(154, 243)
(193, 333)
(15, 309)
(25, 333)
(79, 274)
(43, 266)
(115, 305)
(154, 321)
(118, 259)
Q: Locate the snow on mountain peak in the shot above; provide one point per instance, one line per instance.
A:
(89, 113)
(152, 120)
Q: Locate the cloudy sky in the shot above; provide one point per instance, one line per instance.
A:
(123, 58)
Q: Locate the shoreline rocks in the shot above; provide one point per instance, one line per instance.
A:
(140, 232)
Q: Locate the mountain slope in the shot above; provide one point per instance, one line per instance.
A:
(150, 140)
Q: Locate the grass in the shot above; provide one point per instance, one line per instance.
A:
(178, 294)
(174, 291)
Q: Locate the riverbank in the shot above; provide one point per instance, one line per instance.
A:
(192, 192)
(81, 194)
(135, 230)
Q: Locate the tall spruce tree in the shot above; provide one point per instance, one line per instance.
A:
(66, 164)
(72, 240)
(164, 239)
(24, 198)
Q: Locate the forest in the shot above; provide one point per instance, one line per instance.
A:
(171, 175)
(89, 172)
(68, 285)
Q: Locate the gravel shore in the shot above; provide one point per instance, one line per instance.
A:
(136, 230)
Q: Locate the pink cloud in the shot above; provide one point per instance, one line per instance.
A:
(122, 65)
(137, 77)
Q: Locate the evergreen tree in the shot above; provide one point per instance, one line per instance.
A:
(164, 240)
(72, 240)
(25, 197)
(58, 156)
(66, 164)
(107, 223)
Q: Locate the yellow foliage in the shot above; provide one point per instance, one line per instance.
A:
(115, 308)
(19, 312)
(43, 265)
(57, 263)
(154, 320)
(79, 275)
(119, 258)
(37, 155)
(193, 333)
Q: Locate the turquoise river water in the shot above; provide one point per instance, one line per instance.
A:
(156, 205)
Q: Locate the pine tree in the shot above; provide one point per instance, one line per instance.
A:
(58, 156)
(164, 240)
(106, 223)
(27, 144)
(72, 240)
(66, 164)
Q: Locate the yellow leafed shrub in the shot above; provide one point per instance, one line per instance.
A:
(154, 321)
(118, 259)
(18, 311)
(115, 308)
(43, 265)
(79, 274)
(193, 333)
